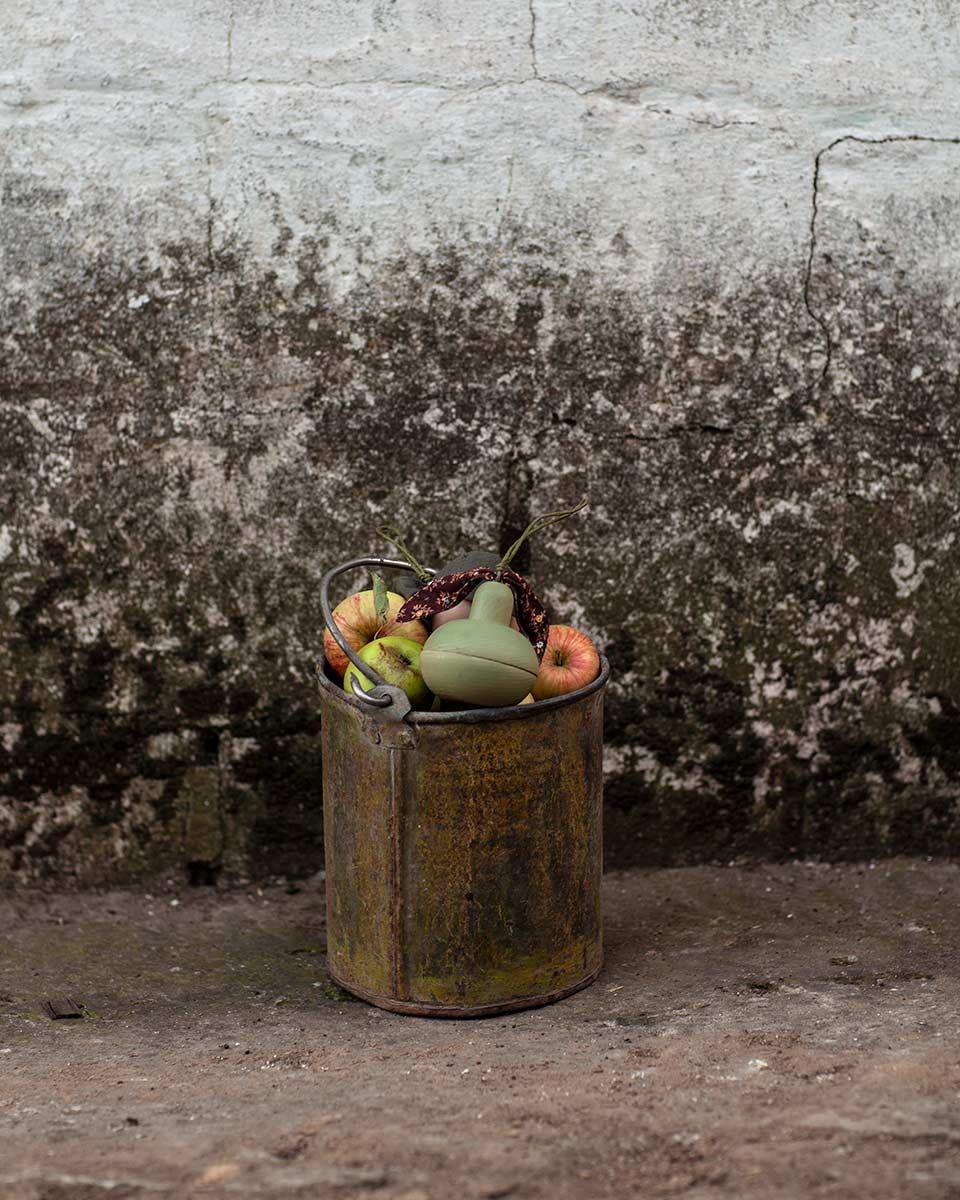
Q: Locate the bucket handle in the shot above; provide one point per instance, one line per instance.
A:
(388, 703)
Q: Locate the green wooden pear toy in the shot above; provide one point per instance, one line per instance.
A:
(481, 660)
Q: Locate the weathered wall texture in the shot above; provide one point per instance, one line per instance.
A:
(273, 273)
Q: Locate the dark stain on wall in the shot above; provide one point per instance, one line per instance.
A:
(769, 558)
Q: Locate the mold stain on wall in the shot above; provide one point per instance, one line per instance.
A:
(188, 440)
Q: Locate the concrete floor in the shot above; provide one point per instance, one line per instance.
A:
(778, 1031)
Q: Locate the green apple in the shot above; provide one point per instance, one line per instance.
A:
(397, 659)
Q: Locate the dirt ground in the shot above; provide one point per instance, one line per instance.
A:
(775, 1031)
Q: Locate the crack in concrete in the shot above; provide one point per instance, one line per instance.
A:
(728, 124)
(505, 209)
(211, 202)
(630, 93)
(816, 315)
(261, 81)
(460, 93)
(231, 22)
(532, 40)
(605, 91)
(456, 91)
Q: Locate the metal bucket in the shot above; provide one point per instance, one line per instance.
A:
(463, 849)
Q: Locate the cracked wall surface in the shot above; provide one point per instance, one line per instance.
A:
(275, 274)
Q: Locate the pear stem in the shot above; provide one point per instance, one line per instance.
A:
(534, 527)
(395, 538)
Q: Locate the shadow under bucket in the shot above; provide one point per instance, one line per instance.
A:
(463, 852)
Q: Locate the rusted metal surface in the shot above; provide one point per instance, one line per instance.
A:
(463, 852)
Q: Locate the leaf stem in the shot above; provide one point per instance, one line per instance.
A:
(395, 538)
(534, 527)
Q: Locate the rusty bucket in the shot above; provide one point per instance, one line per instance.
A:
(463, 849)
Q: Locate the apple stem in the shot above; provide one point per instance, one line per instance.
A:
(395, 538)
(534, 527)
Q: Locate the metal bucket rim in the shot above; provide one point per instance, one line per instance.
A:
(475, 716)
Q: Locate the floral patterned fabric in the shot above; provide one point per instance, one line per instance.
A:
(445, 591)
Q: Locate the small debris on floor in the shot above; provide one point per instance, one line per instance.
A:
(62, 1008)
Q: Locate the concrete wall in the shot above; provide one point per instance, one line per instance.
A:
(273, 273)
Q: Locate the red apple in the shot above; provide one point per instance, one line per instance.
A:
(356, 618)
(570, 661)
